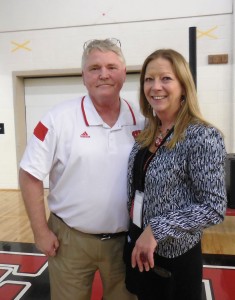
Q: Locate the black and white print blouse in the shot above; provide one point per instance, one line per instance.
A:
(184, 189)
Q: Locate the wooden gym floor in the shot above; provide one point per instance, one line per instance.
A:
(218, 245)
(14, 226)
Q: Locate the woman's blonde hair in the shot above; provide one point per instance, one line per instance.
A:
(189, 112)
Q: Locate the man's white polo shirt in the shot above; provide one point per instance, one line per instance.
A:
(87, 161)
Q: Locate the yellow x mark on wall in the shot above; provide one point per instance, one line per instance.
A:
(207, 33)
(20, 46)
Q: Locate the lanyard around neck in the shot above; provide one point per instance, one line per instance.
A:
(143, 162)
(145, 166)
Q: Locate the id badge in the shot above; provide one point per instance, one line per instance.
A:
(138, 206)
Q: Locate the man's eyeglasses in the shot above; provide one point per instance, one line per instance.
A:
(111, 41)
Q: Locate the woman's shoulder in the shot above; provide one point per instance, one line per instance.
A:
(200, 130)
(204, 136)
(136, 147)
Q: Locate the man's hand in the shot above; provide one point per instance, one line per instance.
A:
(47, 242)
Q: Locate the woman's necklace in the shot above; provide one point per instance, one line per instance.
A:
(160, 137)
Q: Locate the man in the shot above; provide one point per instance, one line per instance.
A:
(84, 145)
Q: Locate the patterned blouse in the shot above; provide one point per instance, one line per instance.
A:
(184, 190)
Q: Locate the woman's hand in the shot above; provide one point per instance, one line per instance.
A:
(143, 252)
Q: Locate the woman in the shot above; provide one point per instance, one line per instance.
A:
(176, 184)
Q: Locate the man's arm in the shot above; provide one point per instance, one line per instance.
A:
(33, 195)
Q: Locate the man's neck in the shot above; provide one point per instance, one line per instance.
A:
(108, 111)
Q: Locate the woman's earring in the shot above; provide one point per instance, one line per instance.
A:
(154, 113)
(183, 98)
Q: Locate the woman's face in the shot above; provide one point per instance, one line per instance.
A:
(162, 88)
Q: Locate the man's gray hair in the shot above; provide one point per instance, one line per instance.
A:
(106, 45)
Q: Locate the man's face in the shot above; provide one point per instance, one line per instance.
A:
(103, 75)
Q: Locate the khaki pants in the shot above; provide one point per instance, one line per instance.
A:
(72, 270)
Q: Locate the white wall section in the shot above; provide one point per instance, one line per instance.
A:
(46, 37)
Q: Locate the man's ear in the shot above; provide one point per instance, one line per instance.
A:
(124, 78)
(83, 79)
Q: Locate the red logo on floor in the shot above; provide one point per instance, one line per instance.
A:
(16, 272)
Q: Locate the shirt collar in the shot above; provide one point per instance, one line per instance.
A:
(92, 118)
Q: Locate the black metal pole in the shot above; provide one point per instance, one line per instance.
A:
(193, 52)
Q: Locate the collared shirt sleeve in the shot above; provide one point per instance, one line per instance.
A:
(38, 156)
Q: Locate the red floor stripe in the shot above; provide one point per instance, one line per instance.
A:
(230, 212)
(97, 289)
